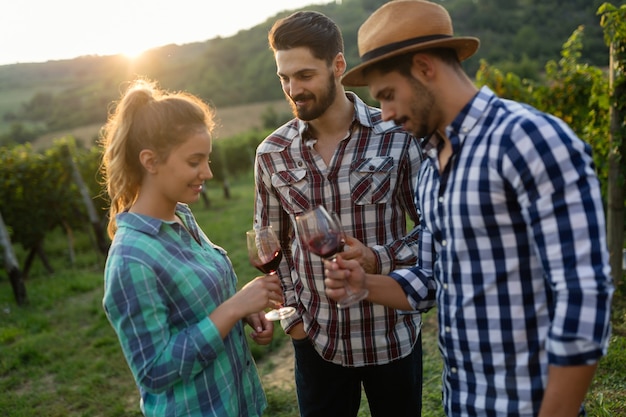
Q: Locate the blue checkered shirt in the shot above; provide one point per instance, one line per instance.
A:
(521, 264)
(161, 283)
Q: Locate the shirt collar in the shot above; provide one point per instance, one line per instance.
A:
(150, 225)
(463, 123)
(473, 111)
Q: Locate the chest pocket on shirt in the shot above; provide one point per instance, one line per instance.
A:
(293, 190)
(371, 180)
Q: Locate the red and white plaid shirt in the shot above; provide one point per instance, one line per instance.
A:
(370, 183)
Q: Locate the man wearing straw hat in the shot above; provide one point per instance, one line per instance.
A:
(512, 217)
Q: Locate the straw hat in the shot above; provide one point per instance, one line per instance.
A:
(402, 26)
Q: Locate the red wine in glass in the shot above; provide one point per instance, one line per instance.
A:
(270, 266)
(326, 245)
(321, 232)
(265, 254)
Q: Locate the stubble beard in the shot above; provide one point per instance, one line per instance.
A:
(421, 109)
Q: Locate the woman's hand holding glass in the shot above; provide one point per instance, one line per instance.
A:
(257, 295)
(265, 254)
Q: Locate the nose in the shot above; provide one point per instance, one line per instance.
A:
(387, 112)
(207, 173)
(292, 88)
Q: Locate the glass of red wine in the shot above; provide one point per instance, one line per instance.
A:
(265, 254)
(322, 233)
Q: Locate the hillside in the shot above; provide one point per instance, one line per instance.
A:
(519, 36)
(231, 121)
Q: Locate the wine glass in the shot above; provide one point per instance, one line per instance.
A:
(322, 234)
(265, 254)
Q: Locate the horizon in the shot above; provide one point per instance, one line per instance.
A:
(119, 27)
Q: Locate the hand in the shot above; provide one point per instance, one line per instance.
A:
(259, 294)
(263, 328)
(297, 332)
(340, 271)
(253, 298)
(356, 250)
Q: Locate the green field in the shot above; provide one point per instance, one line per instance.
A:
(60, 358)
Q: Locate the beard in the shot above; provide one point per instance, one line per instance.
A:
(421, 108)
(319, 104)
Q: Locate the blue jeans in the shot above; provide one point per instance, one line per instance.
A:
(325, 389)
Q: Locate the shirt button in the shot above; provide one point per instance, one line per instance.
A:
(445, 286)
(300, 164)
(453, 370)
(444, 242)
(440, 199)
(371, 167)
(447, 329)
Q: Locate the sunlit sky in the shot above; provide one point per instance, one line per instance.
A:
(42, 30)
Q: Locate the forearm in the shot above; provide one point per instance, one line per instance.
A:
(566, 390)
(224, 317)
(386, 291)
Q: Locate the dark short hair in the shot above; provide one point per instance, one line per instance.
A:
(307, 29)
(402, 63)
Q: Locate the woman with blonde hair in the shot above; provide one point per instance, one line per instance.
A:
(170, 293)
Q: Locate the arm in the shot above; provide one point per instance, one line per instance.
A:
(382, 289)
(268, 211)
(159, 353)
(566, 216)
(566, 390)
(403, 252)
(248, 303)
(404, 289)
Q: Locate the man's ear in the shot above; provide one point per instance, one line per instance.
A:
(339, 64)
(149, 161)
(422, 66)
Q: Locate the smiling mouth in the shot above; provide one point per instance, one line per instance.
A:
(301, 100)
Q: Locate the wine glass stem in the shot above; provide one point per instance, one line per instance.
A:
(278, 305)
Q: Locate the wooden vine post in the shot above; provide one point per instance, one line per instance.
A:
(12, 266)
(101, 241)
(614, 23)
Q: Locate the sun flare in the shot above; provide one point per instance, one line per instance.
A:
(133, 52)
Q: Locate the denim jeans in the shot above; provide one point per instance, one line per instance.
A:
(325, 389)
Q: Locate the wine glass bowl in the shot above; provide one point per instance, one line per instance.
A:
(265, 254)
(322, 234)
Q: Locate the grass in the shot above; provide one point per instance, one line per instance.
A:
(60, 358)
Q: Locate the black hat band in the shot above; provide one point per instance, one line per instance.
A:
(383, 50)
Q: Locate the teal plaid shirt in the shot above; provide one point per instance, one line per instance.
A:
(160, 286)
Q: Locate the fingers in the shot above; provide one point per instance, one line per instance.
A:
(254, 321)
(272, 290)
(335, 293)
(259, 294)
(352, 249)
(335, 281)
(264, 331)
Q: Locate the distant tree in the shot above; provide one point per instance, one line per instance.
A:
(18, 134)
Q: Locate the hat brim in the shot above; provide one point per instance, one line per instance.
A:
(465, 47)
